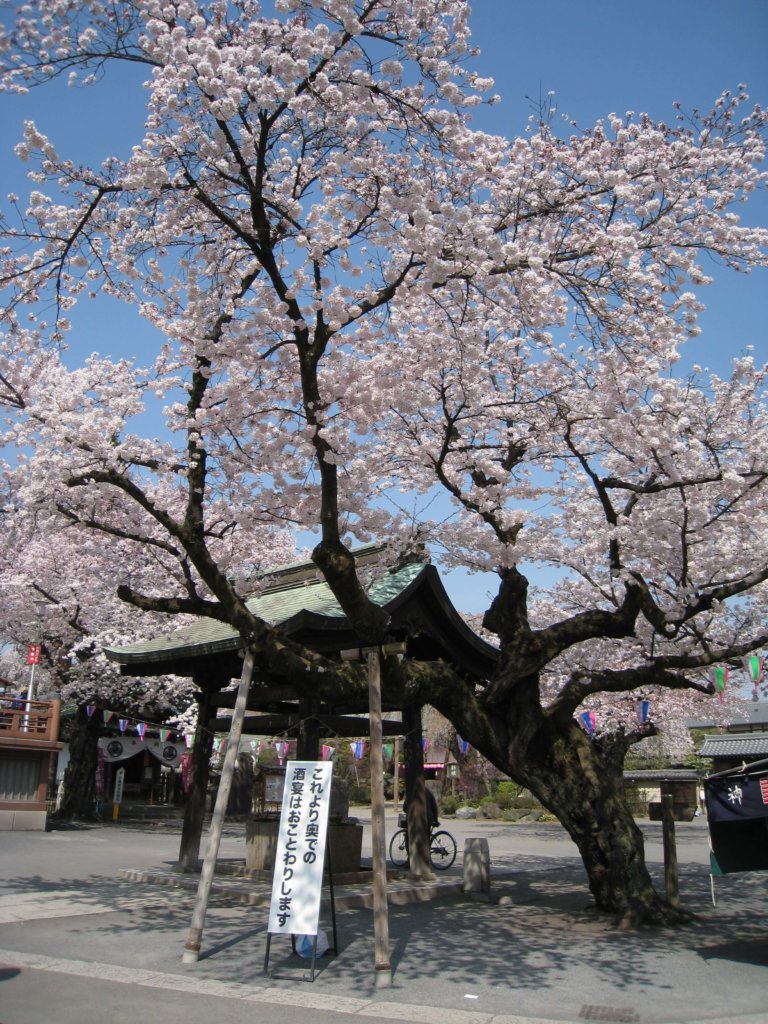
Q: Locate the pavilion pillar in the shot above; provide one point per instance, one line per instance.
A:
(416, 795)
(308, 742)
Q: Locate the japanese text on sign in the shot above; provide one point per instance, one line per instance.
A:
(300, 854)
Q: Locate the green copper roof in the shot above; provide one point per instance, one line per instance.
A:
(277, 606)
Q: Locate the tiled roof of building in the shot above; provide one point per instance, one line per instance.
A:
(661, 775)
(746, 744)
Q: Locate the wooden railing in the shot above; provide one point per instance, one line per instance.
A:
(29, 719)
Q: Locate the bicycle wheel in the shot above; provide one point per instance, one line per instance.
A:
(398, 848)
(442, 849)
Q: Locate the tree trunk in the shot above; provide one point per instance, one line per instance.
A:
(194, 808)
(415, 796)
(581, 782)
(78, 791)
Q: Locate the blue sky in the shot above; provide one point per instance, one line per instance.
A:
(603, 56)
(598, 56)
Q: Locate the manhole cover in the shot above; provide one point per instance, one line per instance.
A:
(616, 1014)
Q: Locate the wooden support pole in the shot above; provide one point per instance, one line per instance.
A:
(670, 850)
(382, 965)
(194, 939)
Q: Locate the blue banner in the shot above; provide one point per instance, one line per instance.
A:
(737, 807)
(737, 797)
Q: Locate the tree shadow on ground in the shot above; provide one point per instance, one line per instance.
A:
(538, 934)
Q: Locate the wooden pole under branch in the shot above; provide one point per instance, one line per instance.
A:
(382, 965)
(194, 939)
(670, 850)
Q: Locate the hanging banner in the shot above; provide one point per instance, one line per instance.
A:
(328, 752)
(123, 723)
(120, 749)
(737, 814)
(34, 654)
(98, 784)
(463, 744)
(736, 797)
(186, 770)
(300, 854)
(89, 709)
(106, 715)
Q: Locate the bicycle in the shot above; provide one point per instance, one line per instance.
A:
(442, 849)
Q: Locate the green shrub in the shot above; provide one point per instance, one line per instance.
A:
(506, 793)
(359, 794)
(450, 804)
(525, 799)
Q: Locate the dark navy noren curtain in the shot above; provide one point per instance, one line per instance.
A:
(737, 808)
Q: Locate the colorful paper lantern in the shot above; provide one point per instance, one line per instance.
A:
(754, 665)
(719, 676)
(587, 719)
(642, 707)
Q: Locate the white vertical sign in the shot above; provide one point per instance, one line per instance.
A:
(298, 877)
(119, 783)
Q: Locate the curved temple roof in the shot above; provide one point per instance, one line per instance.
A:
(304, 607)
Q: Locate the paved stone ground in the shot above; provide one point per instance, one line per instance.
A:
(82, 940)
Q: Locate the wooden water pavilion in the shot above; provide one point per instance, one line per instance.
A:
(298, 602)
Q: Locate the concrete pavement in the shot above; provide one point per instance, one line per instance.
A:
(81, 939)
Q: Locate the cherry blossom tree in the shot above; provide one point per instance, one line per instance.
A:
(57, 585)
(362, 302)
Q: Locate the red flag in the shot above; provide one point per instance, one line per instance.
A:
(34, 653)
